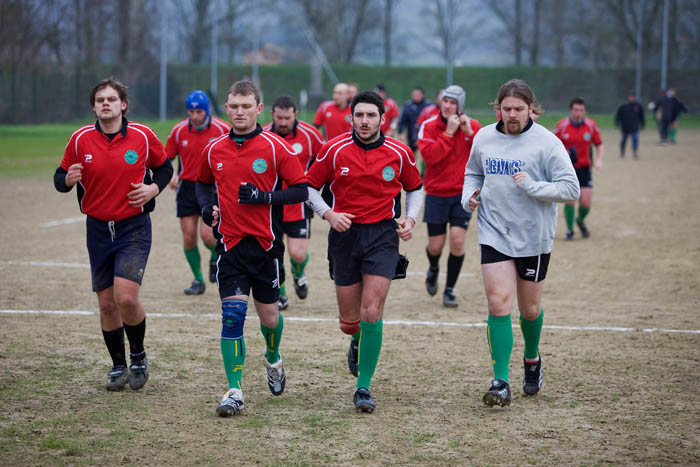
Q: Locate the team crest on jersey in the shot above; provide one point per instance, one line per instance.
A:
(587, 136)
(347, 118)
(388, 174)
(297, 147)
(328, 114)
(259, 165)
(185, 143)
(131, 156)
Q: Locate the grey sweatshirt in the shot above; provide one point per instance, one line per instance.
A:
(519, 220)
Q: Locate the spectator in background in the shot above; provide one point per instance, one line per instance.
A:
(409, 116)
(670, 108)
(391, 111)
(630, 118)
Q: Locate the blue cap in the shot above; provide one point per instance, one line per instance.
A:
(198, 100)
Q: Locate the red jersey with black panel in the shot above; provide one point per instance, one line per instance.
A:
(188, 142)
(580, 137)
(391, 111)
(110, 167)
(445, 158)
(365, 179)
(335, 120)
(306, 142)
(262, 160)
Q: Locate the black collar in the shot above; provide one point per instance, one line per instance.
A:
(499, 126)
(577, 124)
(294, 129)
(242, 138)
(366, 146)
(122, 131)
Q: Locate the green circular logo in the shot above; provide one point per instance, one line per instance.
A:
(259, 166)
(587, 136)
(388, 174)
(131, 156)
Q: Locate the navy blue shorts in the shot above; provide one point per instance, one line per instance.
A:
(185, 200)
(585, 177)
(530, 268)
(118, 249)
(247, 266)
(439, 210)
(363, 249)
(297, 229)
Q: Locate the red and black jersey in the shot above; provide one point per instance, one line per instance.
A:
(365, 179)
(306, 142)
(334, 120)
(391, 111)
(188, 142)
(445, 158)
(111, 166)
(262, 159)
(579, 136)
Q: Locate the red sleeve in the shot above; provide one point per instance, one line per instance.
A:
(290, 169)
(597, 140)
(205, 173)
(171, 149)
(557, 130)
(410, 176)
(156, 153)
(321, 171)
(319, 117)
(69, 156)
(316, 142)
(434, 146)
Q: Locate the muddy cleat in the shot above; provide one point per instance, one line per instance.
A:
(301, 286)
(431, 278)
(584, 230)
(352, 357)
(138, 373)
(449, 299)
(212, 271)
(231, 403)
(276, 377)
(283, 302)
(363, 400)
(532, 380)
(117, 378)
(499, 394)
(569, 235)
(197, 288)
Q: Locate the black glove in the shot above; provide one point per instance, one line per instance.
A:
(249, 194)
(572, 155)
(208, 214)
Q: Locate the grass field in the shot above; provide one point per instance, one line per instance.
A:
(621, 344)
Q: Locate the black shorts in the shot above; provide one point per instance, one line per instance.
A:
(297, 229)
(530, 268)
(186, 200)
(439, 210)
(118, 249)
(247, 266)
(585, 177)
(363, 249)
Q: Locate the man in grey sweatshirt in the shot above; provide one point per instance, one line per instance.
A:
(517, 172)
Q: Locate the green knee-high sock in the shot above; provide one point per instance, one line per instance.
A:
(368, 354)
(531, 335)
(283, 290)
(273, 336)
(500, 336)
(672, 134)
(582, 213)
(195, 262)
(569, 212)
(213, 256)
(298, 268)
(233, 352)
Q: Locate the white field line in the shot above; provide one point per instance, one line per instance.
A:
(47, 264)
(334, 320)
(70, 220)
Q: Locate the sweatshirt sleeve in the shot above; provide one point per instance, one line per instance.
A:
(561, 184)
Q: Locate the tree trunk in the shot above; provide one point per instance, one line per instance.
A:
(535, 49)
(517, 37)
(388, 6)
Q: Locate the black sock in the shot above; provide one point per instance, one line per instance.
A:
(135, 335)
(434, 260)
(454, 265)
(114, 340)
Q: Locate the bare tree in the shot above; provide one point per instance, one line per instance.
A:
(388, 10)
(510, 17)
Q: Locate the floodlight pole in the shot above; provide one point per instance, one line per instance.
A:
(214, 81)
(638, 78)
(664, 47)
(163, 61)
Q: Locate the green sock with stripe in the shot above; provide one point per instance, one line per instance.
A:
(368, 352)
(273, 336)
(500, 336)
(233, 353)
(213, 256)
(298, 268)
(531, 335)
(569, 214)
(195, 262)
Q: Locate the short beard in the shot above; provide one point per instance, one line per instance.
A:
(371, 137)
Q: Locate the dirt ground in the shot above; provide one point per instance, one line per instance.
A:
(621, 396)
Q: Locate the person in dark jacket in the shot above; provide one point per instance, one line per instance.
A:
(630, 119)
(671, 108)
(409, 116)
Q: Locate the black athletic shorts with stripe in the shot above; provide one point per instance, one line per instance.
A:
(530, 268)
(247, 266)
